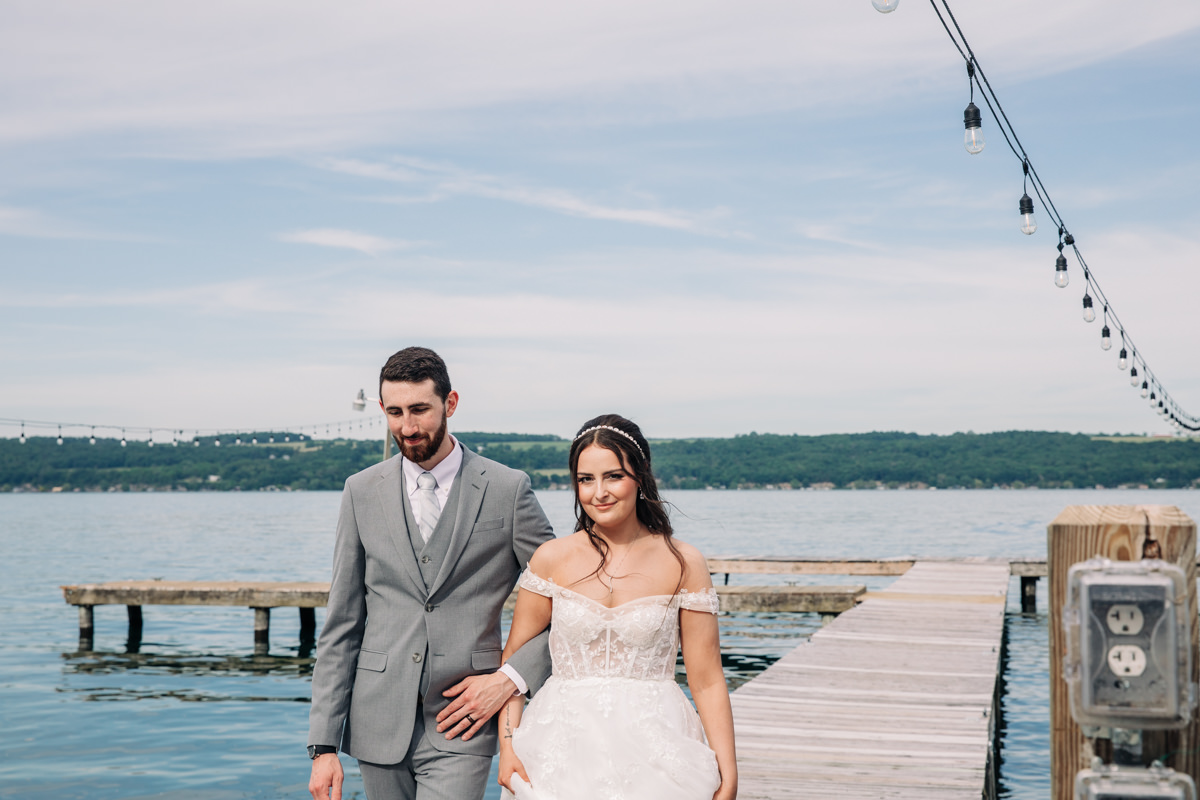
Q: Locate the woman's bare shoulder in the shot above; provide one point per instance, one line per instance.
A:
(553, 553)
(696, 575)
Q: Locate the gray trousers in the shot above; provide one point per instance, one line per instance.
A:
(427, 773)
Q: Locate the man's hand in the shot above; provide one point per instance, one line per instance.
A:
(476, 699)
(325, 783)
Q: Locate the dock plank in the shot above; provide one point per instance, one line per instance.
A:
(893, 699)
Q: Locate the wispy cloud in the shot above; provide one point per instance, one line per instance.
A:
(446, 180)
(350, 240)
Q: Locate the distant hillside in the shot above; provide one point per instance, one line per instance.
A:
(1012, 459)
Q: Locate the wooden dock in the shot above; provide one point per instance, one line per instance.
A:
(896, 698)
(263, 596)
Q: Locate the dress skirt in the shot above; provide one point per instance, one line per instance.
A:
(613, 739)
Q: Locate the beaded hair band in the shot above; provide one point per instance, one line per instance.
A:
(614, 430)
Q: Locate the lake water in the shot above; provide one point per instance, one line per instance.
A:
(194, 714)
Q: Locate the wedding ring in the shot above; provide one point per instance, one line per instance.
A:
(470, 719)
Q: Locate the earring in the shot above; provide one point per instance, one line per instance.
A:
(641, 495)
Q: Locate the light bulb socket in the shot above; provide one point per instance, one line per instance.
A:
(1026, 204)
(971, 117)
(1060, 263)
(1087, 302)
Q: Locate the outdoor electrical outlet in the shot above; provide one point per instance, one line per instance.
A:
(1128, 652)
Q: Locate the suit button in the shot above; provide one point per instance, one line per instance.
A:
(429, 606)
(417, 658)
(425, 559)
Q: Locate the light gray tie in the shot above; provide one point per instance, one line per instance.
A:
(427, 509)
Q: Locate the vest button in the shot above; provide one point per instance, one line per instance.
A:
(425, 559)
(429, 606)
(417, 658)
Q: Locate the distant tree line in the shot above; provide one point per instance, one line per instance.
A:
(868, 460)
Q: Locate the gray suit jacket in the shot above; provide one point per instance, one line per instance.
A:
(383, 627)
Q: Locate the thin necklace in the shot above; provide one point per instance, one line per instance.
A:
(612, 578)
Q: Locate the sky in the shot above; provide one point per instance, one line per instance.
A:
(711, 217)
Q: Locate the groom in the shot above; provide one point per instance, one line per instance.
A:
(429, 544)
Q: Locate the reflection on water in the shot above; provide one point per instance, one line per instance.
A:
(101, 694)
(97, 662)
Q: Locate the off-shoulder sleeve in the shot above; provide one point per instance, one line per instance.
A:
(535, 584)
(703, 600)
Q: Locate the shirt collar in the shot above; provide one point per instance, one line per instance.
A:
(443, 473)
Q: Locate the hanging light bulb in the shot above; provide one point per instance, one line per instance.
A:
(22, 433)
(1105, 339)
(1089, 313)
(270, 440)
(1145, 388)
(1133, 377)
(973, 137)
(287, 438)
(196, 439)
(217, 441)
(60, 434)
(150, 439)
(885, 6)
(123, 442)
(254, 440)
(175, 439)
(93, 439)
(1123, 358)
(1028, 223)
(1153, 398)
(1061, 278)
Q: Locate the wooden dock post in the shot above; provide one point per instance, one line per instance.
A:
(1119, 533)
(134, 643)
(262, 631)
(87, 628)
(1028, 594)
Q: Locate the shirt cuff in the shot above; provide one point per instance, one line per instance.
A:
(515, 677)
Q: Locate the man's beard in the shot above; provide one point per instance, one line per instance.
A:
(425, 449)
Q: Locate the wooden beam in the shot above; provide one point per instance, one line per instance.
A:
(812, 599)
(782, 565)
(260, 594)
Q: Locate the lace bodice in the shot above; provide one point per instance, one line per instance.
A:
(638, 639)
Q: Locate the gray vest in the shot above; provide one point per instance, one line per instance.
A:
(431, 555)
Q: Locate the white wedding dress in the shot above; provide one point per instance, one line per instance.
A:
(611, 723)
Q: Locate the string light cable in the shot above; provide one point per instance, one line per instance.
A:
(1130, 356)
(192, 435)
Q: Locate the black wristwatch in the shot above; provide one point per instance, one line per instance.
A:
(315, 750)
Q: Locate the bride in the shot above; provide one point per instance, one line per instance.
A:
(623, 596)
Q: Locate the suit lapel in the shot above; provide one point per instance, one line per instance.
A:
(473, 482)
(391, 499)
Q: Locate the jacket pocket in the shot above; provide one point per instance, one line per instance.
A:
(488, 524)
(372, 660)
(485, 659)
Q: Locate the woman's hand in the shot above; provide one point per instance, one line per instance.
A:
(726, 791)
(509, 764)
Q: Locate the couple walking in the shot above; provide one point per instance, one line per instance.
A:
(410, 671)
